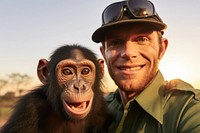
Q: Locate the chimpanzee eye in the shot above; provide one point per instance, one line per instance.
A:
(85, 71)
(67, 71)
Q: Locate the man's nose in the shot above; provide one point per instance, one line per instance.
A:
(130, 50)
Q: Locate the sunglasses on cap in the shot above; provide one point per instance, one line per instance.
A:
(134, 8)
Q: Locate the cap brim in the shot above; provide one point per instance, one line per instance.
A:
(98, 35)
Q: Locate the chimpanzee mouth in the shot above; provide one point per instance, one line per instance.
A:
(78, 110)
(78, 106)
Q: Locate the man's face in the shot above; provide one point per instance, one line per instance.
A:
(132, 55)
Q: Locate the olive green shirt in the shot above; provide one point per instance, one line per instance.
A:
(163, 107)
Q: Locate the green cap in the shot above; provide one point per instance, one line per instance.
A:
(154, 20)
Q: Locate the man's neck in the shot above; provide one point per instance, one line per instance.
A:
(126, 97)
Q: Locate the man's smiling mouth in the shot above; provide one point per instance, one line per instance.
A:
(130, 68)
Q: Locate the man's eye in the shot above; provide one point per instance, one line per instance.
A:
(115, 42)
(142, 40)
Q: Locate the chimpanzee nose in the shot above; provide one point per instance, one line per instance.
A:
(80, 87)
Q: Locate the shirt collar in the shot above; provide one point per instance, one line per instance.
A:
(151, 98)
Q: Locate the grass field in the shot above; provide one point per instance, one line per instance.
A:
(4, 114)
(6, 106)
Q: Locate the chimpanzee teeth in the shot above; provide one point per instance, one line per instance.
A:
(79, 107)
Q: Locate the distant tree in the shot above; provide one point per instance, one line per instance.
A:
(18, 80)
(3, 83)
(9, 96)
(21, 91)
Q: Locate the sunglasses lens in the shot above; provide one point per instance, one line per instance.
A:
(112, 12)
(141, 8)
(138, 8)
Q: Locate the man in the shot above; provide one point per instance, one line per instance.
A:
(132, 46)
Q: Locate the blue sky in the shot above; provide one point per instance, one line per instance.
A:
(32, 29)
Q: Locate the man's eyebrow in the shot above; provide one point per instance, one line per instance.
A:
(114, 35)
(145, 31)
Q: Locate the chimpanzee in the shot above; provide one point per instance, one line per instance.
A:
(70, 101)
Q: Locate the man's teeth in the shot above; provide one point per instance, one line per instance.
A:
(131, 68)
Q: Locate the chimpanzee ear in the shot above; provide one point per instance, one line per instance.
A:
(42, 71)
(101, 63)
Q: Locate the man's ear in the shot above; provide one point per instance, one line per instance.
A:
(101, 63)
(102, 51)
(42, 71)
(163, 47)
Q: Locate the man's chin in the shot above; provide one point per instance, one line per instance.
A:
(130, 85)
